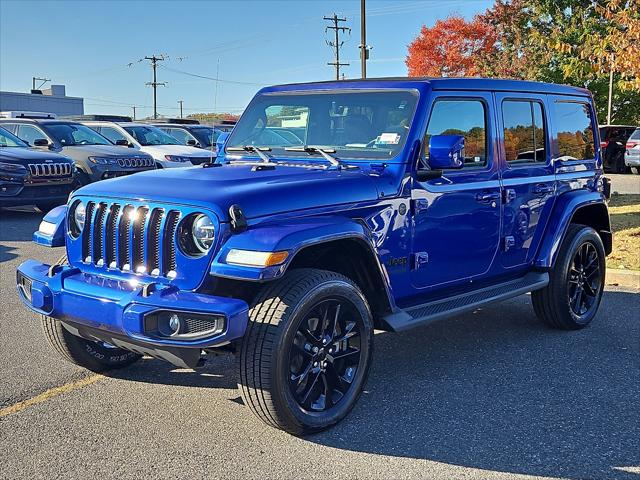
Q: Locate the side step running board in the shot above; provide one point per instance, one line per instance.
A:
(429, 312)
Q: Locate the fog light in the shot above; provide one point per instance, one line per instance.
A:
(174, 324)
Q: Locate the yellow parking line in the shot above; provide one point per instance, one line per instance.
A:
(52, 392)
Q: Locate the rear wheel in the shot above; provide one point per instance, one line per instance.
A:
(95, 356)
(576, 283)
(306, 354)
(81, 180)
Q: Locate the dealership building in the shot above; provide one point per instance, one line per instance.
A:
(50, 100)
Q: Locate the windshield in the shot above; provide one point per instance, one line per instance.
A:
(147, 135)
(206, 136)
(369, 124)
(7, 139)
(70, 134)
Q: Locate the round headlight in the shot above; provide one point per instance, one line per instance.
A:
(203, 232)
(79, 216)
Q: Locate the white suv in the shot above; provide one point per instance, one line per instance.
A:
(165, 149)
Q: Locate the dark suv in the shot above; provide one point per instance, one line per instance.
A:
(95, 157)
(190, 132)
(613, 140)
(31, 177)
(402, 201)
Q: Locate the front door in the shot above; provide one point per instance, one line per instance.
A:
(527, 175)
(457, 217)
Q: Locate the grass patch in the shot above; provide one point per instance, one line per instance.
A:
(625, 223)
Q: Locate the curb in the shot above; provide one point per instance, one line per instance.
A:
(623, 278)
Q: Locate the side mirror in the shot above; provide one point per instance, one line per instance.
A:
(220, 141)
(446, 151)
(122, 142)
(41, 142)
(192, 142)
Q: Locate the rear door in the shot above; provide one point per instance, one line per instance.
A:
(528, 175)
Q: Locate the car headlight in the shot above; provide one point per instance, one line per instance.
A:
(79, 214)
(103, 160)
(176, 158)
(203, 232)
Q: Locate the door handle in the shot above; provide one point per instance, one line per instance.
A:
(543, 189)
(486, 197)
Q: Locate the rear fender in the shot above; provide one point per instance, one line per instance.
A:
(52, 229)
(567, 208)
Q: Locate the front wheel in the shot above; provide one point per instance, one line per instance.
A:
(576, 283)
(635, 170)
(95, 356)
(305, 356)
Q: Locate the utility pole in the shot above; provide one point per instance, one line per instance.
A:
(43, 80)
(134, 113)
(364, 49)
(336, 44)
(154, 64)
(180, 102)
(610, 90)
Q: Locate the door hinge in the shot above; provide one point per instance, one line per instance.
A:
(420, 259)
(508, 195)
(509, 242)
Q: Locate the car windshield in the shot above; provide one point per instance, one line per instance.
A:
(72, 134)
(206, 136)
(7, 139)
(148, 135)
(357, 124)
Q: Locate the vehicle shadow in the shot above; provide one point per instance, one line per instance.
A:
(18, 224)
(492, 390)
(495, 390)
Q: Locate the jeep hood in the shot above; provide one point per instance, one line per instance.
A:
(84, 151)
(21, 154)
(159, 151)
(259, 193)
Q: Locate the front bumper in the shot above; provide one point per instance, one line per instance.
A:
(115, 310)
(632, 160)
(28, 194)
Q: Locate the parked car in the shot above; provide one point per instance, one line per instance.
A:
(191, 133)
(613, 139)
(632, 154)
(32, 177)
(412, 200)
(165, 149)
(95, 157)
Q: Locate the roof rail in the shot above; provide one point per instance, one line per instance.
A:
(98, 118)
(185, 121)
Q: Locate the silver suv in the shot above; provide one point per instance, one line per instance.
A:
(95, 157)
(632, 153)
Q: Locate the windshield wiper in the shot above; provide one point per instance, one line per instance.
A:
(311, 149)
(257, 150)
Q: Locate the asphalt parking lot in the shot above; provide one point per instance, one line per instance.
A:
(492, 394)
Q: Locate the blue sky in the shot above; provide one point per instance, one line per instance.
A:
(94, 48)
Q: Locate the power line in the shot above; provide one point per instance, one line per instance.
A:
(337, 43)
(154, 63)
(213, 79)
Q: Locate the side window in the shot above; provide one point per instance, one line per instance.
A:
(179, 135)
(575, 131)
(461, 117)
(111, 133)
(524, 134)
(29, 133)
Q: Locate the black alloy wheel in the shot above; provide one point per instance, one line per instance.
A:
(325, 355)
(585, 279)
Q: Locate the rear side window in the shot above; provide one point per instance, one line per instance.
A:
(29, 133)
(524, 134)
(461, 117)
(575, 131)
(635, 135)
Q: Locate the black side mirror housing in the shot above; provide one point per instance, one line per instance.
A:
(192, 143)
(122, 142)
(41, 142)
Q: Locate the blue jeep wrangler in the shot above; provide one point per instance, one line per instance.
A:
(332, 210)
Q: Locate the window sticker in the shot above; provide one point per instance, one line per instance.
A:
(389, 139)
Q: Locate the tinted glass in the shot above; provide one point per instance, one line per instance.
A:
(524, 134)
(111, 133)
(355, 124)
(29, 133)
(575, 134)
(151, 136)
(206, 136)
(461, 117)
(635, 135)
(179, 134)
(73, 134)
(7, 139)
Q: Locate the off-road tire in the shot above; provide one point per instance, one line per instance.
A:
(552, 304)
(263, 364)
(93, 356)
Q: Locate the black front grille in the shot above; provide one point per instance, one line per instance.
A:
(129, 238)
(38, 170)
(135, 162)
